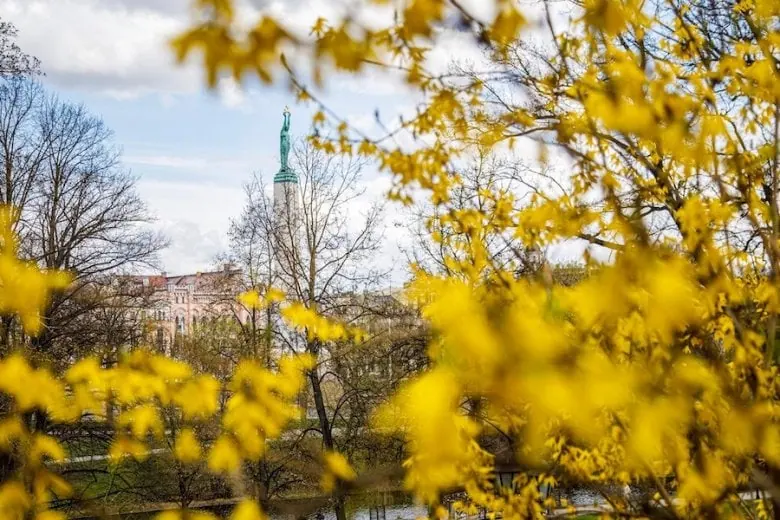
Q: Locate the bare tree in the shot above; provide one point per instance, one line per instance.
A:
(321, 252)
(21, 150)
(21, 156)
(78, 208)
(324, 248)
(252, 252)
(14, 62)
(113, 323)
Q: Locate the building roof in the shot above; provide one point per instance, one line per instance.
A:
(199, 281)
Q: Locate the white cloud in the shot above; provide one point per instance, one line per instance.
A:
(371, 82)
(101, 46)
(453, 46)
(192, 248)
(120, 47)
(187, 163)
(195, 217)
(231, 95)
(389, 257)
(174, 7)
(300, 15)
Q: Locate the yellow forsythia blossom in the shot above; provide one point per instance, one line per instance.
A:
(125, 446)
(247, 510)
(224, 456)
(336, 468)
(185, 515)
(187, 448)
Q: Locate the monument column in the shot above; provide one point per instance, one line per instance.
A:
(286, 210)
(287, 226)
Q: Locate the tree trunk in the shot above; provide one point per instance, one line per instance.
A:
(774, 475)
(339, 502)
(267, 343)
(262, 494)
(322, 413)
(184, 499)
(340, 507)
(6, 322)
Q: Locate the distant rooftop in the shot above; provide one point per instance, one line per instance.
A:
(197, 280)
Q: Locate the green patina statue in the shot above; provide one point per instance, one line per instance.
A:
(284, 140)
(285, 173)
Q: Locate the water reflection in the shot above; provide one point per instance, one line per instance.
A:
(396, 512)
(385, 506)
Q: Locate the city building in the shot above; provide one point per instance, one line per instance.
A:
(176, 304)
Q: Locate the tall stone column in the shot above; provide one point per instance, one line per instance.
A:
(287, 219)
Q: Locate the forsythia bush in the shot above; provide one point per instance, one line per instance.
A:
(260, 404)
(661, 366)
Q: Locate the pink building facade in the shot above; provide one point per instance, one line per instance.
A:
(175, 305)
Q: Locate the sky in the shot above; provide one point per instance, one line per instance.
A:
(191, 149)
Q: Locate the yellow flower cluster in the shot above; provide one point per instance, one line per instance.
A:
(318, 327)
(261, 405)
(609, 364)
(139, 387)
(337, 468)
(32, 486)
(301, 317)
(245, 510)
(25, 288)
(423, 411)
(347, 46)
(254, 300)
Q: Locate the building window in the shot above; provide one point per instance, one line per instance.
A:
(180, 324)
(160, 339)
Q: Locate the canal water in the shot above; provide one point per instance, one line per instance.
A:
(399, 506)
(384, 506)
(398, 512)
